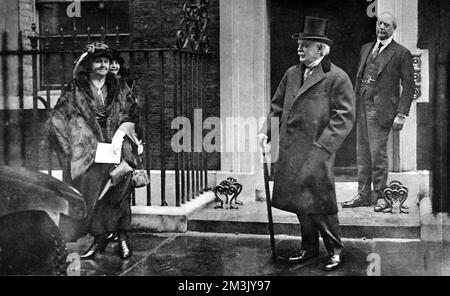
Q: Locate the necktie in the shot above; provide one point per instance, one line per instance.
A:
(377, 51)
(308, 72)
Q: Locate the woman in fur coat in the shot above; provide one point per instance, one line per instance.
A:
(97, 108)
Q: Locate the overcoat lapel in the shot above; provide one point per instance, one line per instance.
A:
(317, 76)
(297, 78)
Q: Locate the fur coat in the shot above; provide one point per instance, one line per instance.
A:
(73, 129)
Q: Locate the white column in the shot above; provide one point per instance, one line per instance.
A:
(244, 86)
(406, 12)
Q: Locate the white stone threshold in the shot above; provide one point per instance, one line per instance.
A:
(168, 219)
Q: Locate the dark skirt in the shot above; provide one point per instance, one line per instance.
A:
(90, 185)
(112, 213)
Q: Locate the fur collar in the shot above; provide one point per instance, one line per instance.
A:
(326, 64)
(85, 100)
(111, 82)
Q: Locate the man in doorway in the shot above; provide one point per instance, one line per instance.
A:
(315, 103)
(384, 66)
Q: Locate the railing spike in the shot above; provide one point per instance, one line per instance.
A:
(33, 36)
(88, 29)
(117, 38)
(102, 31)
(61, 40)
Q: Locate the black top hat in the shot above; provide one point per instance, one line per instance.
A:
(315, 29)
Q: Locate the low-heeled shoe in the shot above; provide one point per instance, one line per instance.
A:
(301, 256)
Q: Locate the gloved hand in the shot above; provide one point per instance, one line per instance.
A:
(117, 141)
(140, 149)
(129, 129)
(399, 122)
(262, 141)
(90, 48)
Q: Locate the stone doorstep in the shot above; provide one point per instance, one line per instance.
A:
(168, 219)
(255, 222)
(367, 224)
(434, 227)
(293, 229)
(185, 218)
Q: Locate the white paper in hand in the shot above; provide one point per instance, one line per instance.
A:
(105, 154)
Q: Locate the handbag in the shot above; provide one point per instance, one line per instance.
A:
(140, 177)
(119, 172)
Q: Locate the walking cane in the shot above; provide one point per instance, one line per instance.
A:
(269, 207)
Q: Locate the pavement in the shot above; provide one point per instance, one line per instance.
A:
(227, 242)
(219, 254)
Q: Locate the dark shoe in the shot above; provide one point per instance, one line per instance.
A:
(124, 249)
(93, 249)
(334, 262)
(301, 256)
(380, 206)
(358, 201)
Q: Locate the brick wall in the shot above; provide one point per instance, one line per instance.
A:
(26, 18)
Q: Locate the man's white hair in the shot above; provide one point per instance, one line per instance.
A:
(393, 18)
(324, 48)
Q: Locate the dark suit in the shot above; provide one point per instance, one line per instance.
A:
(320, 111)
(377, 106)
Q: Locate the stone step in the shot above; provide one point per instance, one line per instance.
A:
(251, 218)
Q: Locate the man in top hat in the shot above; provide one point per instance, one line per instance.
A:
(315, 104)
(384, 66)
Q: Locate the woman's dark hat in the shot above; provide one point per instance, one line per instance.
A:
(314, 29)
(116, 57)
(92, 50)
(98, 49)
(95, 50)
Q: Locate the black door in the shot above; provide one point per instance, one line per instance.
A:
(349, 27)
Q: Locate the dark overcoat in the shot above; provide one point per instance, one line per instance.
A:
(395, 69)
(316, 117)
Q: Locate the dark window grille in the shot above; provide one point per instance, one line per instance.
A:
(99, 21)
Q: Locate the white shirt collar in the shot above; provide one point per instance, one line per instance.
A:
(315, 63)
(385, 43)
